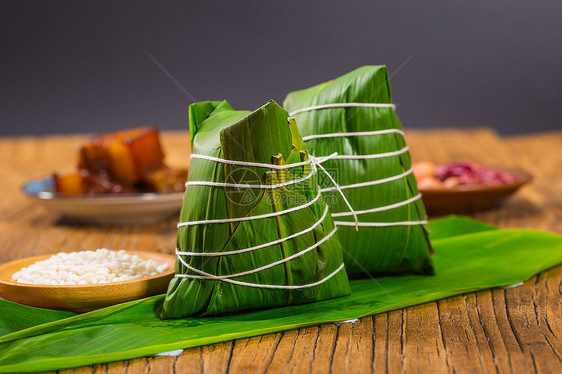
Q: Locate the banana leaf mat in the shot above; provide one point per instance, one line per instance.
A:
(469, 256)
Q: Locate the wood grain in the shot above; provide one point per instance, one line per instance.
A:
(493, 331)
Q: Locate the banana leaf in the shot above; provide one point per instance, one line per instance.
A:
(381, 250)
(469, 256)
(264, 136)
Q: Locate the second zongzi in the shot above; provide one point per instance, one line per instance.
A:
(353, 115)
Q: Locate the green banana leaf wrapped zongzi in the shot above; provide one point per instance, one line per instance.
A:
(253, 231)
(353, 115)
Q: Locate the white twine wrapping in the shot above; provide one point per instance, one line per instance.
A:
(250, 249)
(314, 162)
(251, 218)
(205, 275)
(357, 133)
(371, 183)
(364, 157)
(276, 286)
(372, 156)
(343, 105)
(381, 208)
(381, 224)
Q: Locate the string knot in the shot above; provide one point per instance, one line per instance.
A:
(316, 162)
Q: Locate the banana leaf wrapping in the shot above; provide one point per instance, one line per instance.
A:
(305, 247)
(373, 168)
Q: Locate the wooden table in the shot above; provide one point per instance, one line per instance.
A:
(513, 330)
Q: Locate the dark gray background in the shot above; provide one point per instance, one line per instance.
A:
(85, 66)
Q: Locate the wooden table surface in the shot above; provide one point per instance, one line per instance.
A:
(513, 330)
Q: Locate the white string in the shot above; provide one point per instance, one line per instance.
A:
(251, 218)
(371, 183)
(205, 275)
(274, 286)
(343, 105)
(371, 156)
(380, 224)
(379, 209)
(342, 195)
(250, 249)
(253, 186)
(362, 157)
(252, 164)
(227, 278)
(314, 162)
(358, 133)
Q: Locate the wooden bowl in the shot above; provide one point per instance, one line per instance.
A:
(83, 298)
(471, 198)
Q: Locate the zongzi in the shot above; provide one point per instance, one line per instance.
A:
(253, 231)
(353, 115)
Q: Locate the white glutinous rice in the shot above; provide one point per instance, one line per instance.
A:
(88, 267)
